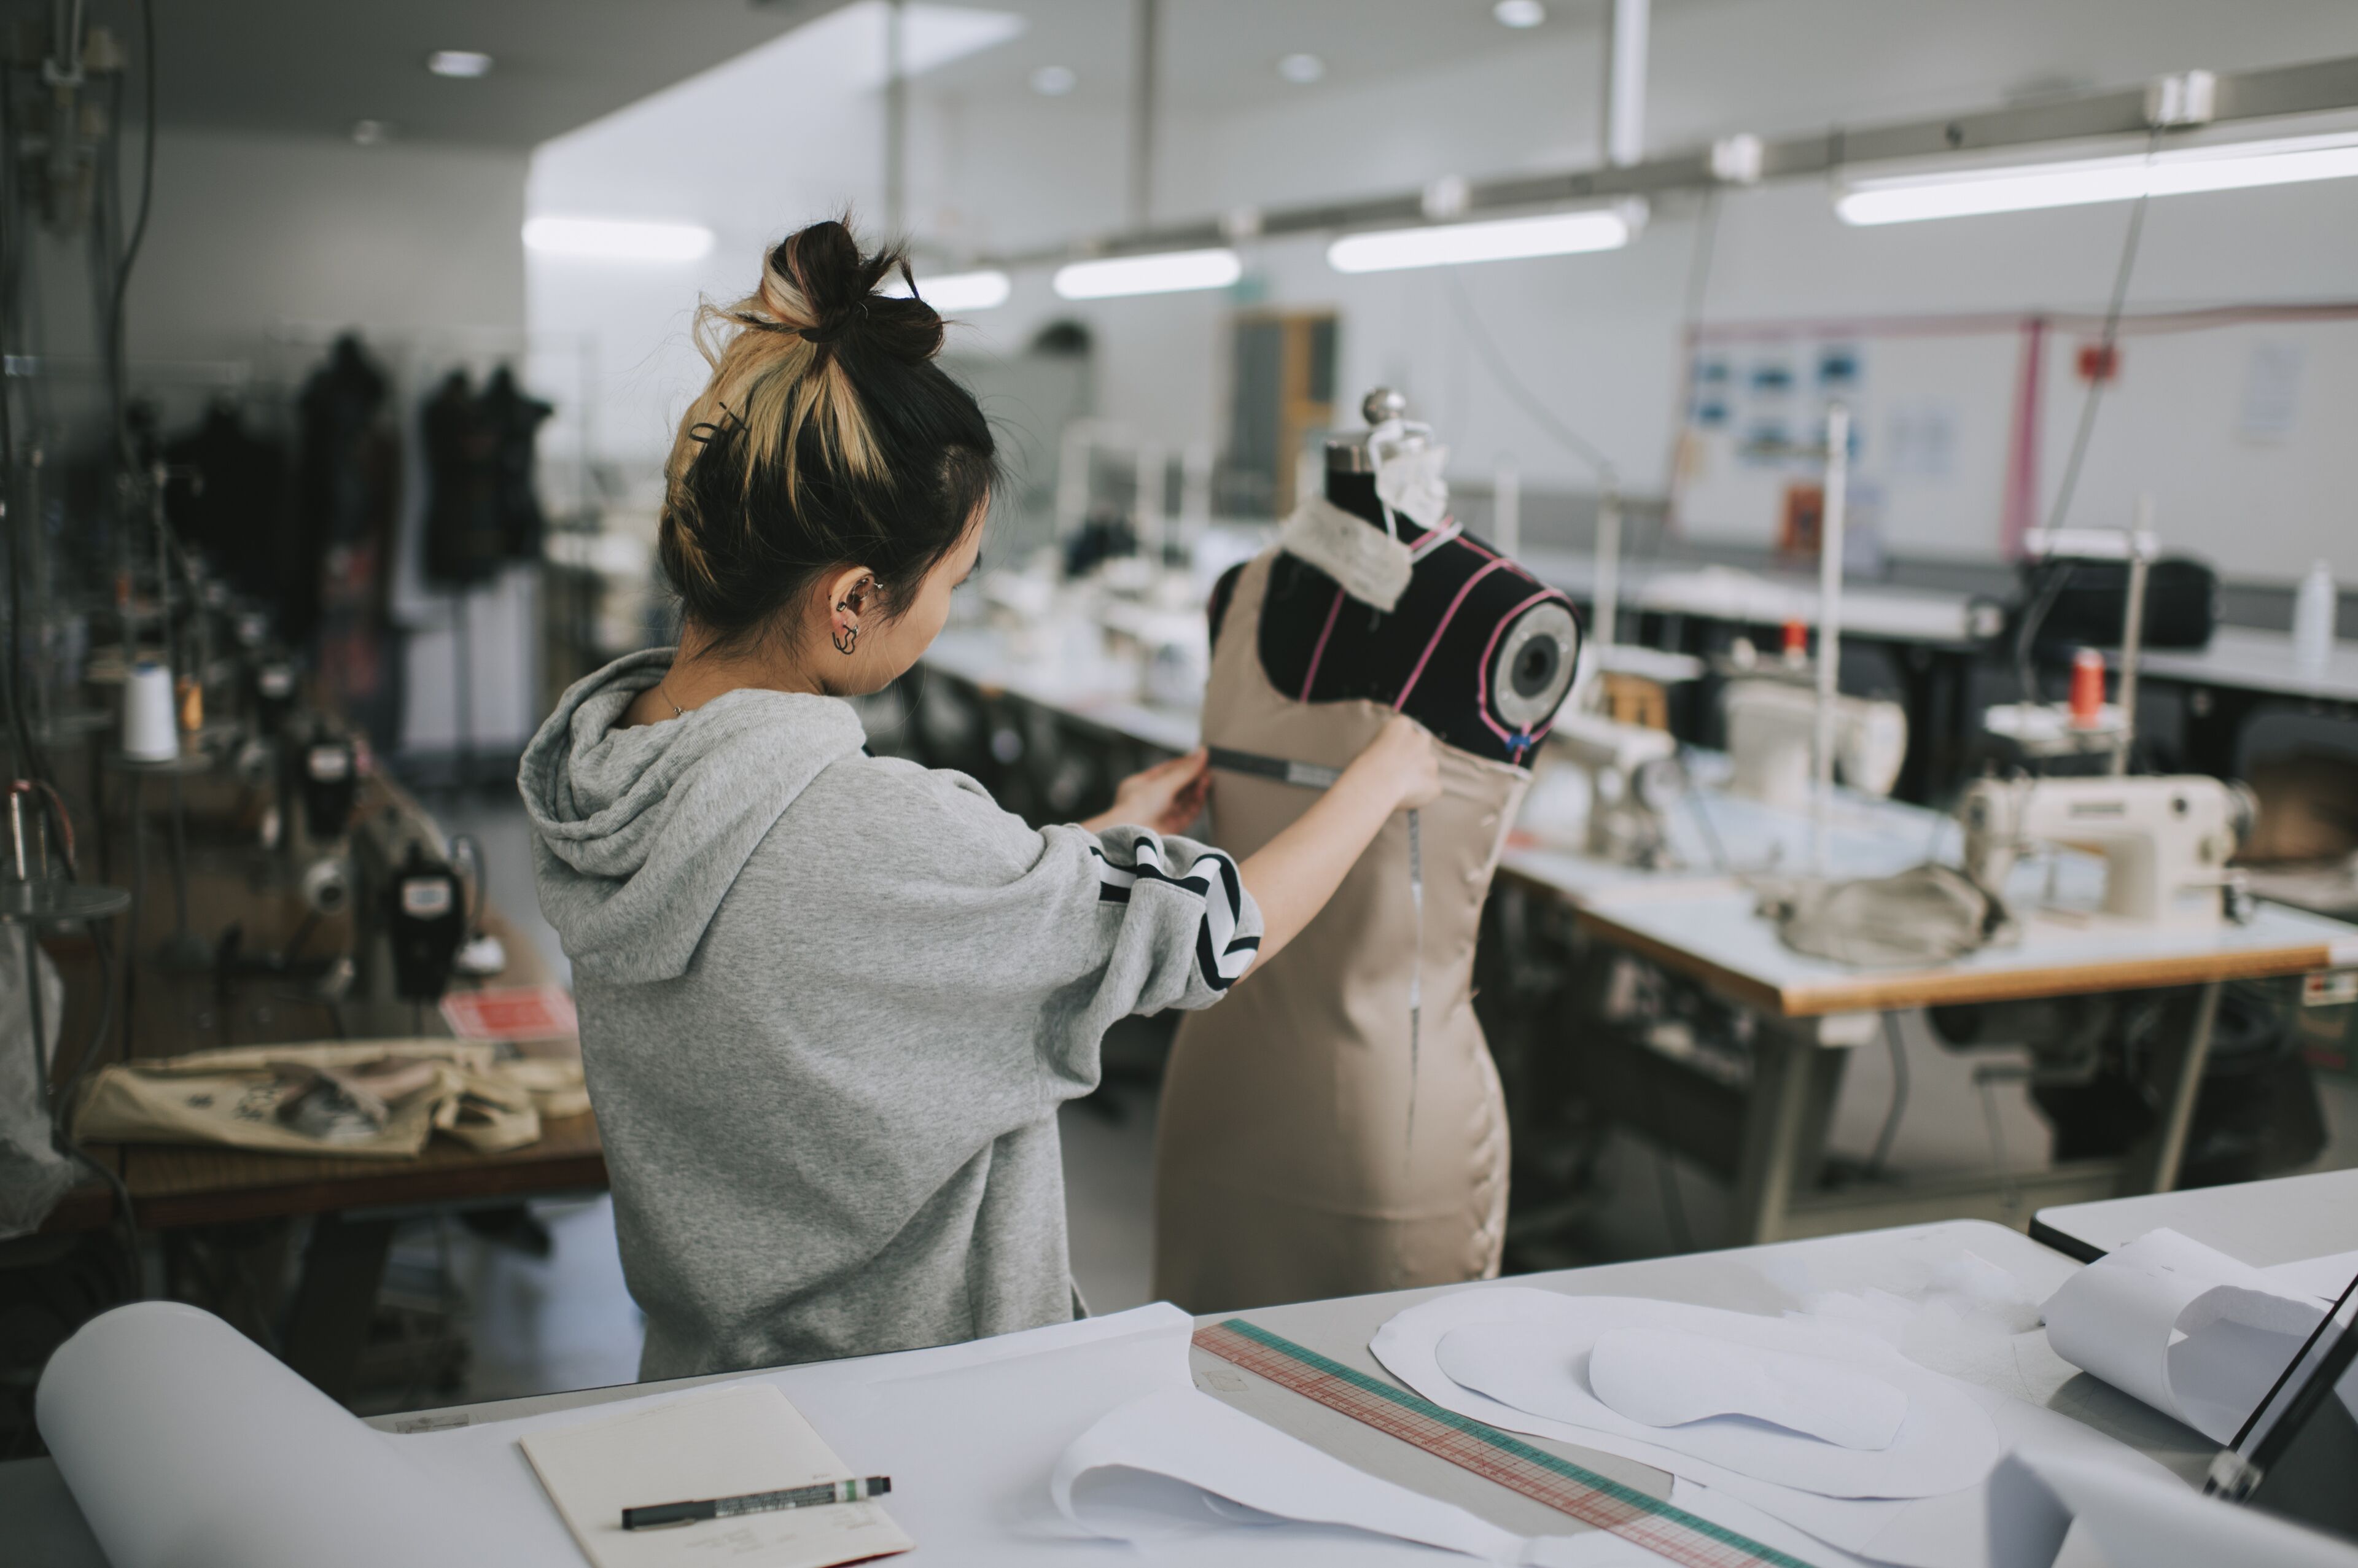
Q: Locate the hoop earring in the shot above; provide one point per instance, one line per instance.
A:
(845, 638)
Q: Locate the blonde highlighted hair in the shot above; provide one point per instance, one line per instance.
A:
(828, 436)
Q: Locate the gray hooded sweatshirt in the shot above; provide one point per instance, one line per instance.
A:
(829, 1004)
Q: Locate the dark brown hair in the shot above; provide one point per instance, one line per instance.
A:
(826, 437)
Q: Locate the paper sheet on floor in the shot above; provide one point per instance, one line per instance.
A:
(2188, 1329)
(1947, 1530)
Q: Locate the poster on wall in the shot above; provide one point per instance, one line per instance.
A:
(1963, 428)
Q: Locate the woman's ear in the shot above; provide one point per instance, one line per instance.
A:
(850, 602)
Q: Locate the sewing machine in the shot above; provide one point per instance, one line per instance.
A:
(1771, 734)
(2166, 840)
(1627, 766)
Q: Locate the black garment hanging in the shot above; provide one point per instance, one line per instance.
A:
(347, 488)
(464, 545)
(514, 416)
(346, 477)
(231, 497)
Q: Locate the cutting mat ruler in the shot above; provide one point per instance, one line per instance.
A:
(1594, 1499)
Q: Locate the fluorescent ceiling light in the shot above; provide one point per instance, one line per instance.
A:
(459, 62)
(1301, 70)
(617, 239)
(1518, 13)
(1507, 239)
(1168, 272)
(1906, 199)
(949, 291)
(1054, 80)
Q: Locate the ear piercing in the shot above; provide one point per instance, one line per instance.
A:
(847, 634)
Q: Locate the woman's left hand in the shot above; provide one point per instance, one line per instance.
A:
(1165, 797)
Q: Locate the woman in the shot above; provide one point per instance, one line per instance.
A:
(830, 1003)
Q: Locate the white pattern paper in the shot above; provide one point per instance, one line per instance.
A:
(2189, 1330)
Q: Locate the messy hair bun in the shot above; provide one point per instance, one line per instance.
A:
(827, 436)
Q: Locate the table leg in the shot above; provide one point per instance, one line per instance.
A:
(328, 1322)
(2154, 1169)
(1791, 1073)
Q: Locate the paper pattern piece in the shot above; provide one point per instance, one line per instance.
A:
(1671, 1377)
(2323, 1278)
(2189, 1330)
(1181, 1462)
(716, 1443)
(1536, 1360)
(1948, 1531)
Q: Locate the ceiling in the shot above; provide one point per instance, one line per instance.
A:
(315, 67)
(1223, 54)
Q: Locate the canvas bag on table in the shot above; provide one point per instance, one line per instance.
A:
(233, 1097)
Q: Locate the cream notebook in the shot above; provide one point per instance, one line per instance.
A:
(721, 1443)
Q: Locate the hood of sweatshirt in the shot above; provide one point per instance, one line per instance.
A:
(639, 832)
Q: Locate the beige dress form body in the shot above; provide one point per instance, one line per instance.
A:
(1304, 1151)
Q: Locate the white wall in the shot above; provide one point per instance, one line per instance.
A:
(250, 234)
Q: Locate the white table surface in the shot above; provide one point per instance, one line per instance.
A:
(2260, 661)
(1102, 692)
(1865, 836)
(1767, 598)
(1717, 932)
(2260, 1223)
(45, 1529)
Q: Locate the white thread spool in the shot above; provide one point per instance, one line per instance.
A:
(151, 733)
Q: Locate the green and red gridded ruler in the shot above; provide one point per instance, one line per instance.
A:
(1594, 1499)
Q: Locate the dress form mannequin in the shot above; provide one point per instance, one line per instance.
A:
(1336, 1126)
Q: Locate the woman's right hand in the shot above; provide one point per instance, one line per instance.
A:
(1407, 760)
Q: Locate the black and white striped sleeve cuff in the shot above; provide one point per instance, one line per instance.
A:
(1223, 953)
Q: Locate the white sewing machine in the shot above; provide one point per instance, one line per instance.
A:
(1771, 735)
(1624, 817)
(2166, 840)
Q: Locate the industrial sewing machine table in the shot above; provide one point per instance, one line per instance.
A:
(1811, 1011)
(195, 1194)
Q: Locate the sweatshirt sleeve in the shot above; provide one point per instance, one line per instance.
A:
(1188, 930)
(998, 937)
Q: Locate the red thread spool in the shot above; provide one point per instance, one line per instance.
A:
(2087, 688)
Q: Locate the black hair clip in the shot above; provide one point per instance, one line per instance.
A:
(704, 433)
